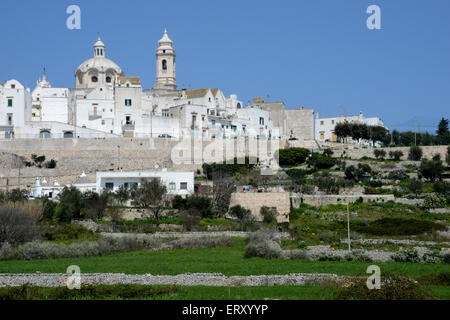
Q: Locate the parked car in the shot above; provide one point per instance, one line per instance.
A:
(292, 138)
(165, 135)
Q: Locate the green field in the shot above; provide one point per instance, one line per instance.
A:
(226, 260)
(122, 292)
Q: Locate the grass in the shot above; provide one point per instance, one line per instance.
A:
(142, 292)
(227, 260)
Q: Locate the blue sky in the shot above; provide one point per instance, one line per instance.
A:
(311, 53)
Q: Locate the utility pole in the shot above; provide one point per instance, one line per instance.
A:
(348, 228)
(118, 156)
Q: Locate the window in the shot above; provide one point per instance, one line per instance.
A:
(103, 122)
(164, 64)
(183, 185)
(128, 102)
(172, 186)
(126, 185)
(13, 86)
(94, 79)
(10, 119)
(10, 102)
(68, 135)
(45, 134)
(261, 121)
(108, 79)
(109, 185)
(165, 113)
(321, 123)
(332, 121)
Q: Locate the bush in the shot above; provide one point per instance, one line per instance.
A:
(201, 204)
(292, 156)
(356, 173)
(178, 202)
(431, 169)
(326, 256)
(70, 204)
(393, 287)
(243, 215)
(66, 232)
(395, 155)
(397, 175)
(203, 242)
(320, 161)
(407, 255)
(379, 153)
(15, 227)
(269, 214)
(397, 226)
(415, 153)
(442, 187)
(432, 256)
(261, 244)
(358, 255)
(415, 186)
(440, 279)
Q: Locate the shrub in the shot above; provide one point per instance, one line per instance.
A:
(407, 255)
(415, 186)
(432, 256)
(243, 215)
(397, 175)
(431, 169)
(292, 156)
(356, 173)
(50, 164)
(440, 279)
(34, 209)
(446, 258)
(442, 187)
(397, 226)
(178, 202)
(269, 214)
(261, 244)
(15, 227)
(70, 204)
(395, 155)
(320, 161)
(415, 153)
(66, 232)
(435, 201)
(203, 242)
(379, 153)
(201, 204)
(393, 287)
(326, 256)
(190, 218)
(358, 255)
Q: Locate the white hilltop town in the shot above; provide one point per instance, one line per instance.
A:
(107, 103)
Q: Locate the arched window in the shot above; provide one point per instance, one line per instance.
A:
(239, 106)
(45, 134)
(94, 79)
(108, 79)
(68, 135)
(164, 64)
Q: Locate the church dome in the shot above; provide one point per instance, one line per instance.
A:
(97, 71)
(102, 64)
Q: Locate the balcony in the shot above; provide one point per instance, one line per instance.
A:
(94, 115)
(128, 125)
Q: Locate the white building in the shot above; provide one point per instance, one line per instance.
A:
(106, 103)
(177, 183)
(324, 127)
(43, 189)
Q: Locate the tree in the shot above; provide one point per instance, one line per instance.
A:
(38, 161)
(202, 205)
(150, 195)
(122, 195)
(442, 127)
(70, 204)
(415, 153)
(16, 195)
(396, 155)
(223, 188)
(292, 156)
(15, 227)
(320, 161)
(356, 173)
(431, 169)
(96, 204)
(415, 186)
(243, 215)
(269, 214)
(379, 153)
(442, 187)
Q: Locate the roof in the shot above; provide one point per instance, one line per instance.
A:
(196, 93)
(132, 80)
(214, 91)
(165, 39)
(83, 179)
(99, 63)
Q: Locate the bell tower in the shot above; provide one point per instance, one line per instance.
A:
(165, 64)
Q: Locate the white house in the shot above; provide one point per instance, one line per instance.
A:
(177, 183)
(43, 189)
(324, 127)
